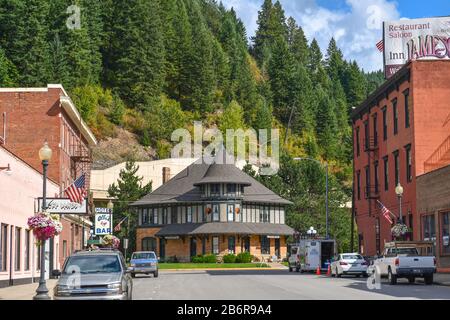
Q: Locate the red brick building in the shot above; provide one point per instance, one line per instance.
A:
(400, 132)
(33, 115)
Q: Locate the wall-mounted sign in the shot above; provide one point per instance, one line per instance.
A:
(103, 224)
(424, 39)
(273, 237)
(63, 206)
(103, 210)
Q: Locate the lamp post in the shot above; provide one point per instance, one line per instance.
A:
(311, 232)
(45, 154)
(399, 192)
(326, 190)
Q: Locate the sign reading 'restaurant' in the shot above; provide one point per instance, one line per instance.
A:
(415, 39)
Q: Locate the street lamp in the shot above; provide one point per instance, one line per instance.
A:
(399, 192)
(311, 232)
(326, 190)
(45, 154)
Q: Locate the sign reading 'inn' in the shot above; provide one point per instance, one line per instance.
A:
(63, 206)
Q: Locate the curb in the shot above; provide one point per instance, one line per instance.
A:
(217, 269)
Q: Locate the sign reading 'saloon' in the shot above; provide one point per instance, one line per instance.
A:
(415, 39)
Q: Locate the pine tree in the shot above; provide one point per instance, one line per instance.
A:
(8, 72)
(315, 57)
(354, 84)
(136, 54)
(24, 30)
(334, 61)
(128, 188)
(297, 42)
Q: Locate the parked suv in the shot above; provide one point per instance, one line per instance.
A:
(144, 262)
(94, 275)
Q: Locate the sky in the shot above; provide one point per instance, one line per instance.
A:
(355, 24)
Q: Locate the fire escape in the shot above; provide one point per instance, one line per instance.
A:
(81, 161)
(440, 157)
(372, 189)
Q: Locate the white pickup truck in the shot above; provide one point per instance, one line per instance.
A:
(406, 259)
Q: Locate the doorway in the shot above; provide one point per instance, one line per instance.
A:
(193, 247)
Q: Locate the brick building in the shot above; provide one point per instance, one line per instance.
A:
(401, 131)
(433, 207)
(212, 208)
(33, 115)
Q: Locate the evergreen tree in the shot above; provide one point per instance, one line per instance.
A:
(334, 61)
(354, 84)
(8, 72)
(136, 54)
(297, 42)
(315, 57)
(128, 188)
(24, 30)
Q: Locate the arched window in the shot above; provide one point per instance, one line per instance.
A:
(149, 244)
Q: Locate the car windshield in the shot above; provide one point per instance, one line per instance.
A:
(93, 264)
(144, 255)
(406, 251)
(352, 257)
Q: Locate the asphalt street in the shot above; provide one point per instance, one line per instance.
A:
(273, 285)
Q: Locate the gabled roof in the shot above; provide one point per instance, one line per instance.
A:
(184, 186)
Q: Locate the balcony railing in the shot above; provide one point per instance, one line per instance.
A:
(371, 144)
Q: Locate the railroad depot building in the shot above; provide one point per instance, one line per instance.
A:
(212, 208)
(400, 132)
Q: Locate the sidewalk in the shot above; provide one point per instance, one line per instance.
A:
(442, 279)
(25, 291)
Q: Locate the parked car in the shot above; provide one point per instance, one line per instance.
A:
(94, 275)
(349, 264)
(144, 262)
(406, 259)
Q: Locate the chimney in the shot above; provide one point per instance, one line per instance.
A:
(165, 174)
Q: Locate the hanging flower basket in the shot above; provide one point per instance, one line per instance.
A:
(111, 241)
(399, 230)
(45, 225)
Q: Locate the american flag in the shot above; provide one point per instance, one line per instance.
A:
(76, 192)
(118, 227)
(380, 45)
(385, 212)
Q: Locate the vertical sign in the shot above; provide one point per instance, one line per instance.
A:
(103, 221)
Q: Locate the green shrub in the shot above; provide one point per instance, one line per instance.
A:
(210, 258)
(171, 259)
(198, 259)
(244, 257)
(229, 258)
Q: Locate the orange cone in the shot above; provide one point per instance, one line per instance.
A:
(329, 271)
(318, 271)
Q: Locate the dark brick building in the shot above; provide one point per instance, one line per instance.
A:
(400, 132)
(433, 206)
(33, 115)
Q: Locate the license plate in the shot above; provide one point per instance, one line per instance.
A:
(416, 271)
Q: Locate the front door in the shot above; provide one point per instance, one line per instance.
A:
(246, 244)
(162, 248)
(193, 247)
(277, 248)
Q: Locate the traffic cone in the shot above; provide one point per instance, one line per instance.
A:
(329, 271)
(318, 271)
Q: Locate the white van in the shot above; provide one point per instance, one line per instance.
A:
(309, 254)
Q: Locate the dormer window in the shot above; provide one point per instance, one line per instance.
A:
(231, 188)
(215, 189)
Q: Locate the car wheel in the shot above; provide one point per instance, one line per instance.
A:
(130, 295)
(411, 279)
(297, 268)
(392, 278)
(429, 279)
(365, 275)
(155, 274)
(290, 268)
(133, 275)
(337, 273)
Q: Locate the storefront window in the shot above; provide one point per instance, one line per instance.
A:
(429, 232)
(149, 244)
(445, 232)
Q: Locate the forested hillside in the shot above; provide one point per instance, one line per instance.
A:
(151, 66)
